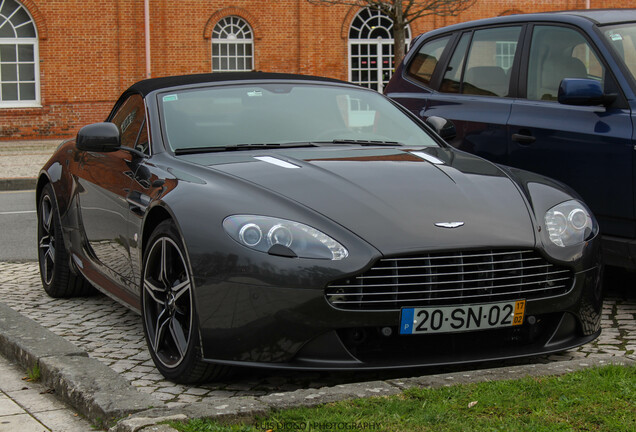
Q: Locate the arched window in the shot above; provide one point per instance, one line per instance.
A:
(19, 71)
(232, 45)
(371, 49)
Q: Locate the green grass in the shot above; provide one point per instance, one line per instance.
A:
(600, 399)
(33, 373)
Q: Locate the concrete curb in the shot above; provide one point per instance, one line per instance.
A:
(15, 184)
(96, 391)
(107, 399)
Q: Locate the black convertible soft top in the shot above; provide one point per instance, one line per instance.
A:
(149, 85)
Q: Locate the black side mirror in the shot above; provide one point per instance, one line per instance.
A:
(98, 137)
(583, 92)
(444, 128)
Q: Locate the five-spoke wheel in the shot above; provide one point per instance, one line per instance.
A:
(46, 242)
(58, 279)
(168, 309)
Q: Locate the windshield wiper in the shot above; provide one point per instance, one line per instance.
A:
(238, 147)
(366, 142)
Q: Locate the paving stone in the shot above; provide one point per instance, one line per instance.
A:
(8, 407)
(162, 396)
(185, 398)
(196, 391)
(20, 422)
(33, 400)
(62, 421)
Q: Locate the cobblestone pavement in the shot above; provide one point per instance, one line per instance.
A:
(112, 334)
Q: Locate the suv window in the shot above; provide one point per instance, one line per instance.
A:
(557, 53)
(423, 64)
(489, 61)
(623, 38)
(453, 75)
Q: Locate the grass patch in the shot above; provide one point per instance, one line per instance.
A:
(33, 373)
(598, 399)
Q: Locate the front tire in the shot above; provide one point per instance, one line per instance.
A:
(168, 310)
(55, 270)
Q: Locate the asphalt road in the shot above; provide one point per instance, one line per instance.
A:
(18, 237)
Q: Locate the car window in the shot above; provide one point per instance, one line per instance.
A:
(490, 58)
(557, 53)
(623, 38)
(423, 64)
(453, 75)
(129, 118)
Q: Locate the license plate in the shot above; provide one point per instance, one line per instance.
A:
(449, 319)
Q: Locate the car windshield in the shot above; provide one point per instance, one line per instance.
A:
(623, 38)
(280, 114)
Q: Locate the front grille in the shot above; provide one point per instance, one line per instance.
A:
(451, 278)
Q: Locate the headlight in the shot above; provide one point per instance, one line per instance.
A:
(569, 223)
(262, 233)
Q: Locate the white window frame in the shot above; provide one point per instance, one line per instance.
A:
(379, 42)
(223, 38)
(505, 54)
(34, 41)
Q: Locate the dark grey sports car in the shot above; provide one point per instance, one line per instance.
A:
(297, 222)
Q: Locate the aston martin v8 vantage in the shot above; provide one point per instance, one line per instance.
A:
(286, 221)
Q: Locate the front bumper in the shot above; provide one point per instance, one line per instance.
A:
(296, 328)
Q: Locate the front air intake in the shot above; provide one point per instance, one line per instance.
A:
(451, 278)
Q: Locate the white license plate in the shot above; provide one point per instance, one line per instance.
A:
(449, 319)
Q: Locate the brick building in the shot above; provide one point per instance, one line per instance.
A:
(64, 62)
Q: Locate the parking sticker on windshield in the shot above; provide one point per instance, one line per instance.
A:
(170, 98)
(616, 37)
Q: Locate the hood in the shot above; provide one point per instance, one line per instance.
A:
(393, 197)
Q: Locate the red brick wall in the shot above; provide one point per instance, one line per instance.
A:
(92, 50)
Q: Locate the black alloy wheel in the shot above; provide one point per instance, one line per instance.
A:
(168, 310)
(46, 242)
(58, 279)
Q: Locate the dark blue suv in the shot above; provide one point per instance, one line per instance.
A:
(553, 93)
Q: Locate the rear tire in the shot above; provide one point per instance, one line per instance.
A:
(168, 310)
(55, 270)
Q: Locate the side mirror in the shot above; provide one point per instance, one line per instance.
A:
(444, 128)
(585, 92)
(98, 137)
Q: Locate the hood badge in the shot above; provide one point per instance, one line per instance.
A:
(449, 224)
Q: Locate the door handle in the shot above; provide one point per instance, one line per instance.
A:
(523, 139)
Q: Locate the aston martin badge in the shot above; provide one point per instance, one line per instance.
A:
(449, 224)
